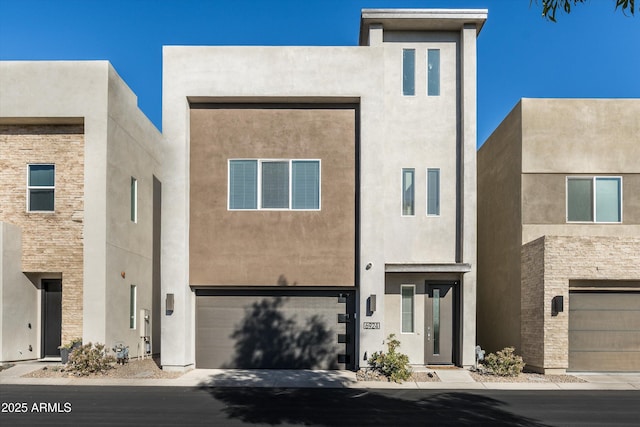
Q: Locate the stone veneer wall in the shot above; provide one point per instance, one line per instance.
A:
(531, 300)
(563, 259)
(51, 242)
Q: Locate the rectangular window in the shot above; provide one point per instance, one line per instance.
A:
(134, 199)
(433, 72)
(433, 191)
(243, 184)
(41, 188)
(274, 184)
(408, 192)
(594, 199)
(408, 72)
(132, 307)
(407, 294)
(305, 183)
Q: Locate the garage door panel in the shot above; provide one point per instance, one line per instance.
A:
(604, 331)
(604, 361)
(269, 331)
(604, 320)
(604, 340)
(600, 300)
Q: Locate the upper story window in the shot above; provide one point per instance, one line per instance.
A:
(408, 72)
(408, 192)
(594, 199)
(41, 188)
(433, 72)
(433, 192)
(274, 184)
(134, 200)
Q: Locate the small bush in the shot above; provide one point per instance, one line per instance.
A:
(90, 359)
(504, 363)
(393, 365)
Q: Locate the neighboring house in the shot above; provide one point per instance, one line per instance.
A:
(79, 211)
(318, 199)
(559, 235)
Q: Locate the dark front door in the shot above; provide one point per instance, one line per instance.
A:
(439, 323)
(51, 317)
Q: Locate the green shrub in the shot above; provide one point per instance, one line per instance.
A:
(90, 359)
(393, 365)
(504, 363)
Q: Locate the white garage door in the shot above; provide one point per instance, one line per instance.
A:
(604, 331)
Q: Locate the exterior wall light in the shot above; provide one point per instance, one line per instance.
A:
(557, 305)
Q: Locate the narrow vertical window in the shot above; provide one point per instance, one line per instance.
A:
(275, 185)
(408, 72)
(608, 197)
(579, 199)
(134, 199)
(132, 307)
(243, 184)
(305, 184)
(433, 72)
(436, 320)
(41, 188)
(407, 294)
(433, 191)
(408, 192)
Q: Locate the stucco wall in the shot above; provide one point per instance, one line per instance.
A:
(499, 213)
(133, 151)
(51, 242)
(19, 303)
(580, 135)
(262, 247)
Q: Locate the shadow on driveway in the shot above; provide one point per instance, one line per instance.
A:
(351, 407)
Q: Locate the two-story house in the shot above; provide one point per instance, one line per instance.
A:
(559, 235)
(318, 199)
(79, 211)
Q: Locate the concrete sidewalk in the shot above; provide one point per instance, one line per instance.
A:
(450, 379)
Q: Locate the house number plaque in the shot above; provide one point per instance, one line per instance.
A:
(371, 325)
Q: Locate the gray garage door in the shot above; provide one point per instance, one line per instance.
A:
(274, 329)
(604, 331)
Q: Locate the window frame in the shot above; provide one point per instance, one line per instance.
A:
(438, 72)
(439, 204)
(133, 307)
(402, 192)
(413, 309)
(403, 90)
(259, 162)
(40, 187)
(134, 200)
(594, 212)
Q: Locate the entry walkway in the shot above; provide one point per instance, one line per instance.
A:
(458, 379)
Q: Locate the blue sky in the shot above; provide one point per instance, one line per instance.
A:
(594, 52)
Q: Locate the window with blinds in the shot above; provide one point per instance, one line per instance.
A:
(274, 184)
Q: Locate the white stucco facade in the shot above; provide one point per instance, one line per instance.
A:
(395, 132)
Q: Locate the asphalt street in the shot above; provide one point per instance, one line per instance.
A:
(161, 406)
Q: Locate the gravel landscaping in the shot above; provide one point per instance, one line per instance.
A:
(525, 378)
(416, 376)
(142, 369)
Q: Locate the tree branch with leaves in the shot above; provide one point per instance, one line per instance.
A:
(549, 7)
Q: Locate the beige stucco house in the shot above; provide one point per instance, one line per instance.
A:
(559, 235)
(318, 199)
(79, 211)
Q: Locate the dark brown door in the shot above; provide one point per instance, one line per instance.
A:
(439, 323)
(51, 317)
